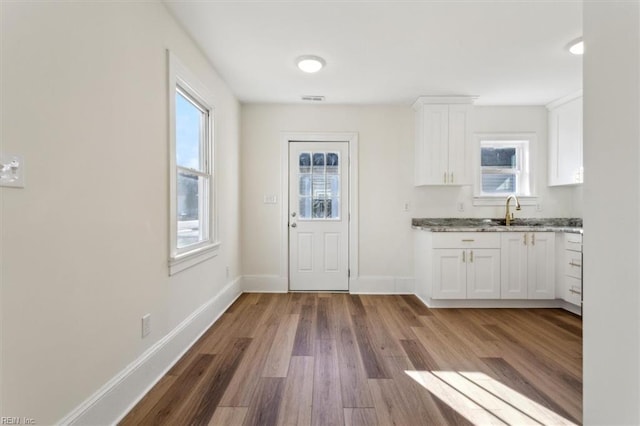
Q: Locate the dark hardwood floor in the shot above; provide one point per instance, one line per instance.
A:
(334, 359)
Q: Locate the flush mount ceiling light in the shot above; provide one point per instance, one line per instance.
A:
(576, 47)
(310, 63)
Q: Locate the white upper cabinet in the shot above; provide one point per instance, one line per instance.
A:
(442, 146)
(565, 141)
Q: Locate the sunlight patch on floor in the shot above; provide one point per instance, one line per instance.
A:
(484, 400)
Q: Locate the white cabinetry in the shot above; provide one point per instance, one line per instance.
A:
(565, 141)
(527, 266)
(443, 134)
(466, 266)
(571, 284)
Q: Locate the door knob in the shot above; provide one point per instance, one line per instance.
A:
(293, 214)
(293, 225)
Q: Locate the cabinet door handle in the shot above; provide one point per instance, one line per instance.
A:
(471, 256)
(575, 291)
(451, 177)
(524, 237)
(445, 177)
(468, 241)
(533, 239)
(575, 264)
(464, 257)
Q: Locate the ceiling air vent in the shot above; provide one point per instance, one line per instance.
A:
(313, 98)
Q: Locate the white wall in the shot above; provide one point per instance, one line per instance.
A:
(85, 244)
(386, 181)
(611, 213)
(385, 135)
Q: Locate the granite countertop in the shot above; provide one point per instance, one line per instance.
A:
(573, 225)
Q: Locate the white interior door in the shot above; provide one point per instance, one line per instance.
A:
(319, 216)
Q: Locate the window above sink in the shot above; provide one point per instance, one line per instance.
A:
(503, 167)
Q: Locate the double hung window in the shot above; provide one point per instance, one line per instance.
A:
(504, 168)
(192, 215)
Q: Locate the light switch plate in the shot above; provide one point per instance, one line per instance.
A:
(270, 199)
(12, 170)
(146, 325)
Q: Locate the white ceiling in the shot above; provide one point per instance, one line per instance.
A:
(506, 52)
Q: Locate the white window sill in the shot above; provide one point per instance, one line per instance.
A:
(187, 260)
(500, 200)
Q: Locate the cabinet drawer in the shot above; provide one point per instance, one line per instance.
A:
(573, 264)
(573, 242)
(466, 240)
(573, 290)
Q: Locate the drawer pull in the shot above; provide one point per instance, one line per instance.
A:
(468, 241)
(524, 237)
(575, 264)
(463, 257)
(471, 256)
(575, 291)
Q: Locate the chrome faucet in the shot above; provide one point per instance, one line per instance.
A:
(509, 216)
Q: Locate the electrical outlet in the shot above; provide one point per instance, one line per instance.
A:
(146, 325)
(460, 206)
(539, 207)
(228, 272)
(406, 206)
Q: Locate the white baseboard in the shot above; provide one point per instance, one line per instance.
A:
(114, 400)
(574, 309)
(492, 303)
(359, 285)
(264, 284)
(555, 303)
(382, 285)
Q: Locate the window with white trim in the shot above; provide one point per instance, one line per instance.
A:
(504, 168)
(192, 215)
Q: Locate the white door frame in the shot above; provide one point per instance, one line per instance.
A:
(352, 139)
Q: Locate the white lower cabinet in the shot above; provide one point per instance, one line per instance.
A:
(466, 273)
(466, 266)
(571, 278)
(488, 265)
(449, 274)
(483, 274)
(527, 266)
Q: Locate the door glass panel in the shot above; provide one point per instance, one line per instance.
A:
(333, 163)
(305, 185)
(318, 208)
(334, 208)
(318, 163)
(327, 205)
(333, 186)
(305, 207)
(305, 162)
(319, 185)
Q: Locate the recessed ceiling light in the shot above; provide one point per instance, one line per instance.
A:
(576, 46)
(310, 64)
